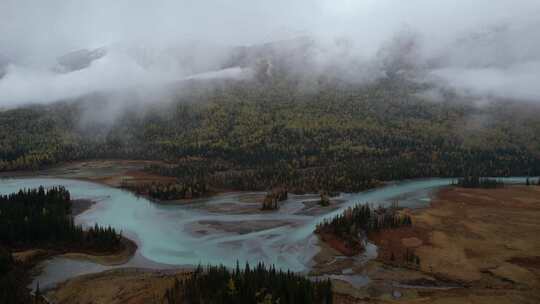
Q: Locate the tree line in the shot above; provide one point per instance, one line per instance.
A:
(42, 217)
(355, 223)
(259, 284)
(253, 136)
(263, 177)
(475, 181)
(169, 190)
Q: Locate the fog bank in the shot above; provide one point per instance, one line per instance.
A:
(479, 48)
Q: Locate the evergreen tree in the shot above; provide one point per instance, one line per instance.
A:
(42, 217)
(259, 284)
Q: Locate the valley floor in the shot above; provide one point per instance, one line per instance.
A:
(475, 246)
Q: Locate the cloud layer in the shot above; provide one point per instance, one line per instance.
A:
(476, 47)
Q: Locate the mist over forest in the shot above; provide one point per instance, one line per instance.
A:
(307, 84)
(482, 50)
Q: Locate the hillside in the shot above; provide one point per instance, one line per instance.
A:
(383, 131)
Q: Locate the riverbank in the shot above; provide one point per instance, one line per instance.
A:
(113, 173)
(124, 174)
(474, 246)
(34, 256)
(118, 257)
(122, 256)
(28, 262)
(374, 279)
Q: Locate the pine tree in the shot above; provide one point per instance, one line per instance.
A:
(43, 217)
(37, 294)
(257, 284)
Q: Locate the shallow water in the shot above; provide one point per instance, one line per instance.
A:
(170, 235)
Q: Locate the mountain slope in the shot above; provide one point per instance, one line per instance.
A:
(381, 131)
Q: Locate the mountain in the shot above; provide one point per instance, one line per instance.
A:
(295, 123)
(257, 134)
(80, 59)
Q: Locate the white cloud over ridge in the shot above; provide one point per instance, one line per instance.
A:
(478, 47)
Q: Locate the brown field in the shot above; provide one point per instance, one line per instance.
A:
(486, 241)
(119, 286)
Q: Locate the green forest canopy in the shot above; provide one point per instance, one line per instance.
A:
(338, 137)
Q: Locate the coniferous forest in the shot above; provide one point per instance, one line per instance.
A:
(169, 191)
(355, 223)
(258, 135)
(260, 284)
(42, 217)
(216, 131)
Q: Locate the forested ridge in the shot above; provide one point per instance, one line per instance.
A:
(258, 135)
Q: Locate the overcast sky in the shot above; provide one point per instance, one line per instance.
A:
(484, 46)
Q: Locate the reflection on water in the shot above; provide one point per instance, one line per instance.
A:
(166, 236)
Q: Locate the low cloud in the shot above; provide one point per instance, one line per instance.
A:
(483, 48)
